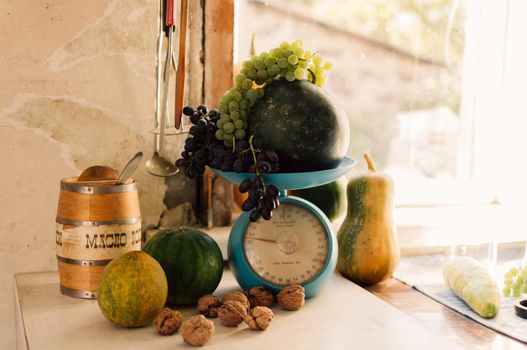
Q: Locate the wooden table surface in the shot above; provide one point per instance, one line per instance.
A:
(459, 329)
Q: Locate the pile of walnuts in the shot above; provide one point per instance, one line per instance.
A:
(252, 307)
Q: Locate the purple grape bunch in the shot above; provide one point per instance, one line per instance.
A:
(202, 148)
(262, 200)
(251, 160)
(197, 150)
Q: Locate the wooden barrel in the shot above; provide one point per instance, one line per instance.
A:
(96, 222)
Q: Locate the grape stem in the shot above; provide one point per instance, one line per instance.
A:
(254, 155)
(312, 75)
(310, 57)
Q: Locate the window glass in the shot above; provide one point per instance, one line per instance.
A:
(397, 73)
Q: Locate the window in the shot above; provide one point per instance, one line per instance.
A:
(432, 89)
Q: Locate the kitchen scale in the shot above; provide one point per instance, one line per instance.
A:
(297, 246)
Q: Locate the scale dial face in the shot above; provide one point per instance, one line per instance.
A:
(290, 248)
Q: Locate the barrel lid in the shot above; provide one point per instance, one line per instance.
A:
(72, 184)
(97, 179)
(99, 173)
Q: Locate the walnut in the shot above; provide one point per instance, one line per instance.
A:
(260, 296)
(168, 321)
(291, 297)
(236, 296)
(208, 305)
(259, 318)
(197, 330)
(232, 313)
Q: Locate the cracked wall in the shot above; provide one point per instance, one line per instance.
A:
(77, 88)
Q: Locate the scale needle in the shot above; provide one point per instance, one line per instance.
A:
(264, 240)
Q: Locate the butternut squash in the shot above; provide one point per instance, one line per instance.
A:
(368, 245)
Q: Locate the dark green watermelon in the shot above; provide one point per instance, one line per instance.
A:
(192, 262)
(330, 198)
(302, 124)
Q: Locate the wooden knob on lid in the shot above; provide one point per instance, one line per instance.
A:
(98, 173)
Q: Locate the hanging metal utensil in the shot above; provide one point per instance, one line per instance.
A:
(163, 31)
(181, 64)
(158, 165)
(159, 74)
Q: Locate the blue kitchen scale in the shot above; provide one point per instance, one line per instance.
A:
(297, 246)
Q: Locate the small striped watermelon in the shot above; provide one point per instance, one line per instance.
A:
(192, 262)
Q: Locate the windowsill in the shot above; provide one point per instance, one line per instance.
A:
(435, 229)
(440, 229)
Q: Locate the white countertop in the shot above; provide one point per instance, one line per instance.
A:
(341, 316)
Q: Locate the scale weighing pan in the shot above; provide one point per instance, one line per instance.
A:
(293, 181)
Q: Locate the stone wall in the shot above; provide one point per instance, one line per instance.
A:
(77, 86)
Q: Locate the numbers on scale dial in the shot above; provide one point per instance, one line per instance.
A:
(292, 247)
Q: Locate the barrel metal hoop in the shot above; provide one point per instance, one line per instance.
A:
(129, 221)
(85, 294)
(72, 187)
(83, 262)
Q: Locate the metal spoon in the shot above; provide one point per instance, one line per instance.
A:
(157, 165)
(129, 168)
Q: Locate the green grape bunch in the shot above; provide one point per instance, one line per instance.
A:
(515, 282)
(289, 61)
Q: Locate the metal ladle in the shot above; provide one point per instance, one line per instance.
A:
(157, 165)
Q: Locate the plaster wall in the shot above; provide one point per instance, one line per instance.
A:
(77, 88)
